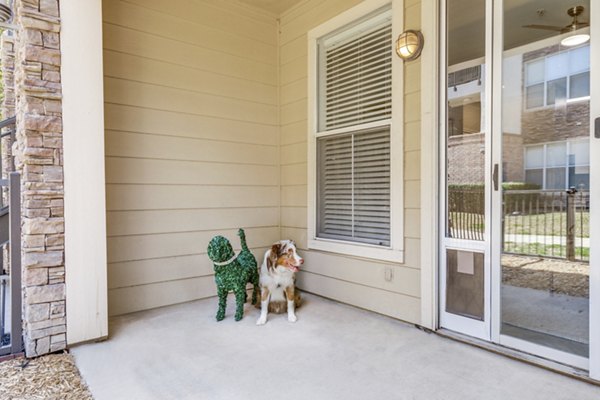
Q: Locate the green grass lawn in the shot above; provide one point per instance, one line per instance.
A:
(548, 224)
(550, 250)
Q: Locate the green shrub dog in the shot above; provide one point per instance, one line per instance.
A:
(232, 273)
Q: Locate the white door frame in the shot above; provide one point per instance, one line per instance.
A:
(430, 93)
(468, 326)
(595, 195)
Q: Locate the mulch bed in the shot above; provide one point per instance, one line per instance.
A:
(54, 376)
(552, 275)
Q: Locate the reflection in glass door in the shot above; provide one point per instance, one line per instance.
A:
(465, 269)
(545, 198)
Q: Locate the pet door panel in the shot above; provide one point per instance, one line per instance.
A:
(465, 283)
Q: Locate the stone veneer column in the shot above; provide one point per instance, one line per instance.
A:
(38, 156)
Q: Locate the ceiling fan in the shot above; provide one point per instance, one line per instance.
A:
(573, 12)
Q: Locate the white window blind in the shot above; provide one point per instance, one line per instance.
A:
(354, 187)
(355, 74)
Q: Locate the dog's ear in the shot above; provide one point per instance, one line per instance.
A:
(273, 256)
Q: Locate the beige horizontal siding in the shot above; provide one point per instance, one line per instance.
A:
(130, 41)
(141, 18)
(218, 16)
(192, 143)
(294, 133)
(156, 270)
(155, 197)
(312, 14)
(165, 245)
(144, 95)
(169, 172)
(161, 73)
(172, 123)
(354, 281)
(293, 50)
(121, 223)
(142, 297)
(393, 304)
(142, 145)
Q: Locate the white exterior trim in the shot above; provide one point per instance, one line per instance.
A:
(396, 251)
(496, 157)
(429, 163)
(83, 140)
(594, 360)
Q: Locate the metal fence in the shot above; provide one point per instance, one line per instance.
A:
(466, 209)
(549, 223)
(10, 245)
(10, 273)
(544, 223)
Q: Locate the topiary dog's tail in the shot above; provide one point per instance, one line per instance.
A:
(243, 240)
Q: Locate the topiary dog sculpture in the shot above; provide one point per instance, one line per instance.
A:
(232, 273)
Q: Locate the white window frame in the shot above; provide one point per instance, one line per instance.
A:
(394, 252)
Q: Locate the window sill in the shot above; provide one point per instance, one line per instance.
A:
(357, 250)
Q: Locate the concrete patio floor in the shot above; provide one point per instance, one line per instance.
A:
(334, 351)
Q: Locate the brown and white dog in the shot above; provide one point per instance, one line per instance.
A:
(277, 281)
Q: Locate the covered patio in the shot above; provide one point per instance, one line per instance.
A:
(144, 128)
(180, 352)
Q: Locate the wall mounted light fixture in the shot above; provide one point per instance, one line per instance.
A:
(409, 45)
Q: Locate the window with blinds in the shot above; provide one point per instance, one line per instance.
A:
(353, 162)
(354, 187)
(355, 79)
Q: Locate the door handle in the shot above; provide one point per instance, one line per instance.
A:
(597, 128)
(495, 177)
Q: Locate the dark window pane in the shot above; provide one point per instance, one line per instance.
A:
(534, 176)
(579, 177)
(557, 91)
(580, 85)
(555, 178)
(535, 96)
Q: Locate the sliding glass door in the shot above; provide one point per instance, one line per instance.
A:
(543, 132)
(517, 175)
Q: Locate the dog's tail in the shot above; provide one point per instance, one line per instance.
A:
(243, 240)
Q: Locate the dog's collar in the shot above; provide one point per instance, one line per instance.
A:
(219, 264)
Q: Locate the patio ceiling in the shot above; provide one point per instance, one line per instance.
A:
(465, 23)
(273, 6)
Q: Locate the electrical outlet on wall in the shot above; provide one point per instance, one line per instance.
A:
(389, 274)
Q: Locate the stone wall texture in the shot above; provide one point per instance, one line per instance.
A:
(557, 122)
(38, 156)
